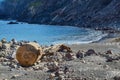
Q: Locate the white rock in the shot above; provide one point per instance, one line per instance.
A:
(52, 75)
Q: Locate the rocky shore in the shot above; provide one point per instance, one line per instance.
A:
(94, 61)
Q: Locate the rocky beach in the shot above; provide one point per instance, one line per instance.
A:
(60, 40)
(93, 61)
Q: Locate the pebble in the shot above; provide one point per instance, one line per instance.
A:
(51, 76)
(3, 40)
(90, 52)
(68, 56)
(61, 77)
(109, 52)
(37, 68)
(53, 66)
(79, 54)
(13, 66)
(116, 78)
(14, 41)
(14, 76)
(83, 61)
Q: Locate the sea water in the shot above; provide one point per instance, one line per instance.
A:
(48, 34)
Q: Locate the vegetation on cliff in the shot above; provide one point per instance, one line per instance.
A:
(85, 13)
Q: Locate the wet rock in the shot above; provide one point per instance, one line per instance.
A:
(109, 59)
(83, 61)
(79, 54)
(90, 52)
(5, 79)
(105, 66)
(58, 73)
(0, 45)
(5, 63)
(38, 68)
(45, 69)
(5, 46)
(3, 54)
(61, 77)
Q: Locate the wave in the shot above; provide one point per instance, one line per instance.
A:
(92, 37)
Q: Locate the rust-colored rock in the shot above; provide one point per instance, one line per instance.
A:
(28, 54)
(63, 48)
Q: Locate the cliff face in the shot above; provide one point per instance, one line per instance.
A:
(84, 13)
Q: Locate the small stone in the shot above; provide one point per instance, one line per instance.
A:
(3, 54)
(74, 57)
(14, 76)
(53, 66)
(4, 40)
(68, 56)
(51, 76)
(90, 52)
(109, 52)
(61, 77)
(79, 54)
(116, 78)
(25, 74)
(5, 63)
(83, 61)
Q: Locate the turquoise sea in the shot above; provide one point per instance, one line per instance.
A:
(48, 34)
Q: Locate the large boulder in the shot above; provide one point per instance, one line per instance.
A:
(28, 54)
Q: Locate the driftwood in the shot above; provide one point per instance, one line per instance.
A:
(28, 54)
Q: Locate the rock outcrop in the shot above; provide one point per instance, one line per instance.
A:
(97, 14)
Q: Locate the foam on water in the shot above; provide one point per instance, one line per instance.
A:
(48, 34)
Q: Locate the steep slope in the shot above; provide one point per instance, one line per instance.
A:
(84, 13)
